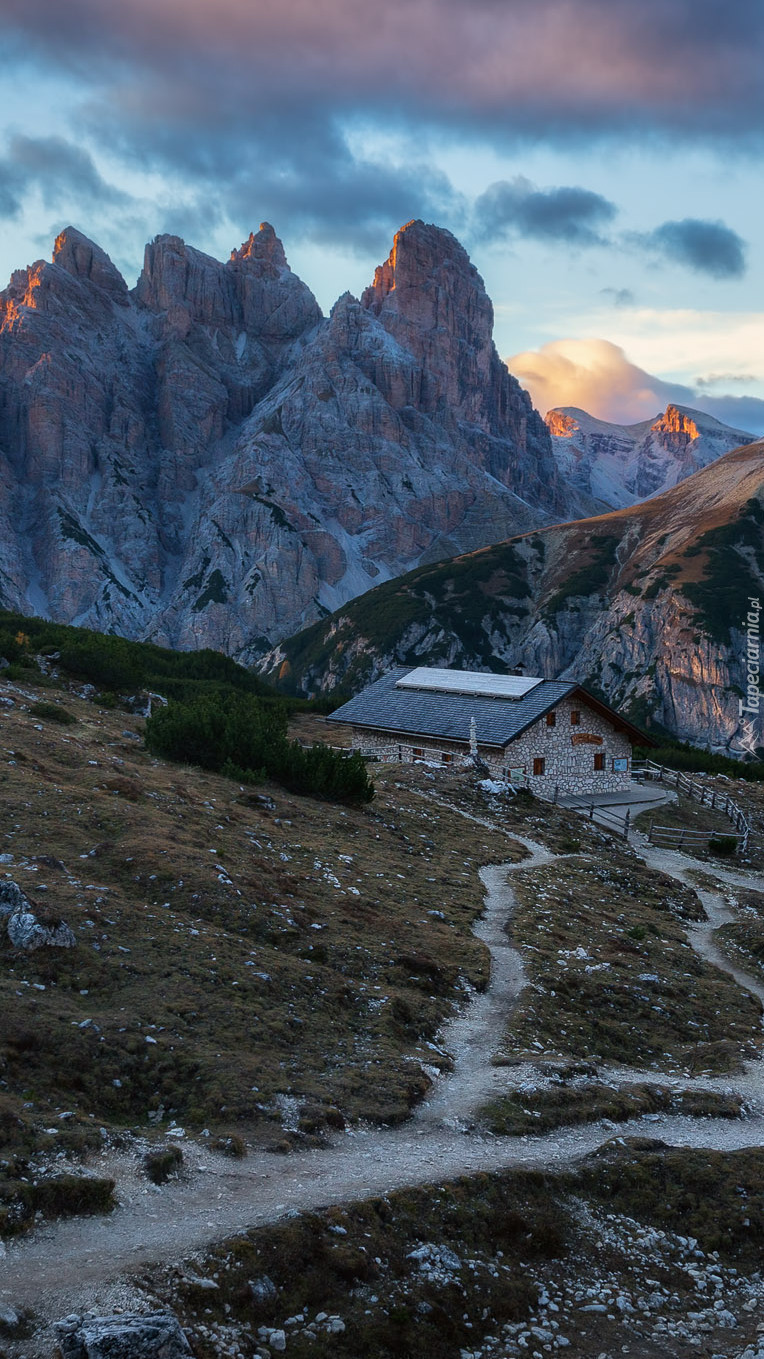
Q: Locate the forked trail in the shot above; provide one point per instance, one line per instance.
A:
(72, 1265)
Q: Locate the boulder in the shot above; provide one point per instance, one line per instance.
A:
(12, 898)
(263, 1289)
(27, 932)
(157, 1335)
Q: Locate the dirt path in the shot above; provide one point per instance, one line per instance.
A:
(471, 1037)
(71, 1265)
(718, 913)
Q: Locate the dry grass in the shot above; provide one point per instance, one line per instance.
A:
(266, 971)
(613, 977)
(686, 814)
(540, 1110)
(312, 727)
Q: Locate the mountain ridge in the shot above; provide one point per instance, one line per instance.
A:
(645, 604)
(207, 460)
(621, 464)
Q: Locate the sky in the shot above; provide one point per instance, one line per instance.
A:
(599, 159)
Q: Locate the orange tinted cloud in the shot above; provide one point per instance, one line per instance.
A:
(596, 376)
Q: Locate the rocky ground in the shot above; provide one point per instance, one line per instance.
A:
(593, 1237)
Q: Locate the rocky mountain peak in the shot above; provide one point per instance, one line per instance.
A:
(431, 299)
(621, 464)
(178, 279)
(677, 420)
(561, 423)
(263, 245)
(213, 463)
(428, 283)
(81, 257)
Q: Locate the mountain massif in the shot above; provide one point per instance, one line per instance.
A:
(646, 605)
(619, 465)
(207, 460)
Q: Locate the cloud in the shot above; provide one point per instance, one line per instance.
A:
(539, 66)
(517, 207)
(716, 379)
(596, 376)
(257, 100)
(620, 297)
(55, 168)
(707, 247)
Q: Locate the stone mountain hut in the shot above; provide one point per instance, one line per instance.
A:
(546, 735)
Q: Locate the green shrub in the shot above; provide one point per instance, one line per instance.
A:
(52, 712)
(212, 731)
(114, 663)
(690, 759)
(239, 736)
(19, 670)
(160, 1165)
(723, 845)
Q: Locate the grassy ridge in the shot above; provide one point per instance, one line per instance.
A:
(114, 664)
(220, 715)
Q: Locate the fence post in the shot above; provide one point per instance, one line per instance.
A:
(591, 812)
(626, 824)
(650, 830)
(556, 793)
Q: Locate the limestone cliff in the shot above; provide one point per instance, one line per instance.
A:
(646, 605)
(207, 460)
(621, 464)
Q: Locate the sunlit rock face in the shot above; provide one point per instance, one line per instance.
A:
(646, 605)
(621, 464)
(208, 461)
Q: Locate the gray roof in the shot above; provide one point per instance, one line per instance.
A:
(417, 712)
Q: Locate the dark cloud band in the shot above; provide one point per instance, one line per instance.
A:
(710, 248)
(517, 207)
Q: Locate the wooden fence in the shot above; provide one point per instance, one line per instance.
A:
(708, 796)
(604, 816)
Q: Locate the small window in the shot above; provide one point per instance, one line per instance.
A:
(538, 766)
(551, 719)
(418, 753)
(599, 761)
(446, 757)
(575, 717)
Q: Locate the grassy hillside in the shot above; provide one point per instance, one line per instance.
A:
(247, 960)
